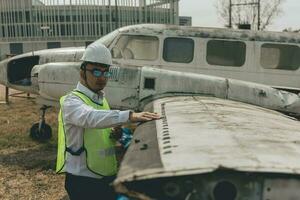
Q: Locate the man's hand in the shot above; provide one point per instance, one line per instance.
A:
(143, 116)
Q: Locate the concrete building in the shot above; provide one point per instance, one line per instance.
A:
(185, 21)
(27, 25)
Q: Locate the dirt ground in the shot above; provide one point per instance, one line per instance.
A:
(27, 168)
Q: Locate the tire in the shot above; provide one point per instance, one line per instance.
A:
(43, 135)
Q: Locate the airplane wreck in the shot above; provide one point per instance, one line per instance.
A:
(219, 138)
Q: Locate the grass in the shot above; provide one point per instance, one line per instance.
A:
(27, 167)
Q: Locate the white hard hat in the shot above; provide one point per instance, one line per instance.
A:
(97, 53)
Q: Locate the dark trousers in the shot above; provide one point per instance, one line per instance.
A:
(86, 188)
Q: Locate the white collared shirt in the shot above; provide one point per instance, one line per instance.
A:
(77, 116)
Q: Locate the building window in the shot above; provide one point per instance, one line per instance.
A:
(280, 56)
(226, 53)
(53, 45)
(136, 47)
(63, 29)
(180, 50)
(16, 48)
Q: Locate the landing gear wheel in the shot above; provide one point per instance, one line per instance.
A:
(41, 134)
(41, 131)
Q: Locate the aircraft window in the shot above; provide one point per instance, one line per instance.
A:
(280, 56)
(180, 50)
(226, 53)
(136, 47)
(16, 48)
(53, 45)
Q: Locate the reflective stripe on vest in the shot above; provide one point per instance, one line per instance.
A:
(99, 148)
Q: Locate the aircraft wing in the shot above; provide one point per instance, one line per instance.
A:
(200, 136)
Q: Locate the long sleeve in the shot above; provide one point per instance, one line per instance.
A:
(76, 112)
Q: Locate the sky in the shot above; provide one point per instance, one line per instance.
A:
(204, 13)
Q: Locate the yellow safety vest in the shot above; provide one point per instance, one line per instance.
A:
(97, 144)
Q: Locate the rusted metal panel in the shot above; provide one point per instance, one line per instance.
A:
(202, 134)
(278, 189)
(145, 149)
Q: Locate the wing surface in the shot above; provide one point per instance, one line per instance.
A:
(202, 134)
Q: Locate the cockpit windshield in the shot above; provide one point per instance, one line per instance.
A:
(137, 47)
(107, 39)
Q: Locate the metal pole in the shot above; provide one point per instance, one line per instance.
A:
(230, 6)
(6, 95)
(117, 14)
(258, 13)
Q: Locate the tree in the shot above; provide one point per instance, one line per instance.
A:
(248, 14)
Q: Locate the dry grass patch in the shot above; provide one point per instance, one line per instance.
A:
(27, 167)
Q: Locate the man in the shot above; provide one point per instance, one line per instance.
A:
(85, 146)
